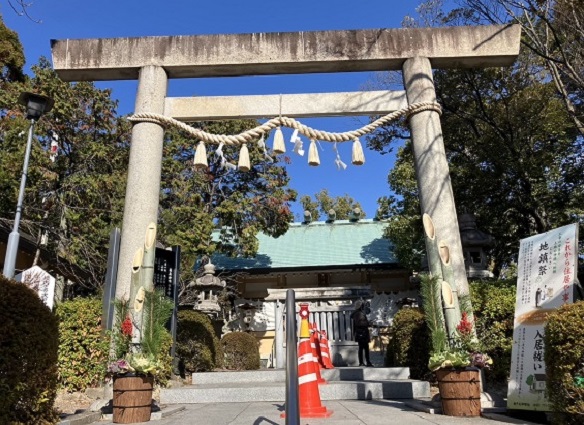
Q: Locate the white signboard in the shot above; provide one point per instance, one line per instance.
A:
(545, 281)
(41, 282)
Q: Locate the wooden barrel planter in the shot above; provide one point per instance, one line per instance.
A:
(460, 391)
(132, 400)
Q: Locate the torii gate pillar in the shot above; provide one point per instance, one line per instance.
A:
(434, 187)
(144, 169)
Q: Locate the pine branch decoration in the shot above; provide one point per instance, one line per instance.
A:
(157, 311)
(121, 343)
(432, 303)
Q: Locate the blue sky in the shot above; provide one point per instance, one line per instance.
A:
(61, 19)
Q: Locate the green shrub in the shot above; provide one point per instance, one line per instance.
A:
(198, 347)
(83, 347)
(29, 341)
(494, 309)
(163, 377)
(409, 344)
(241, 351)
(564, 359)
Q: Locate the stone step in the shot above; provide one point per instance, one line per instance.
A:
(276, 391)
(279, 375)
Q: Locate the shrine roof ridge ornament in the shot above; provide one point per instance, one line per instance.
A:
(194, 56)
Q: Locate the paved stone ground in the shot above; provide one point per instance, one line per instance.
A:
(353, 412)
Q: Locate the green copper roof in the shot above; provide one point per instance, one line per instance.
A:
(318, 244)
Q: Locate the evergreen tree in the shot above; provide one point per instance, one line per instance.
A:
(240, 204)
(323, 202)
(73, 203)
(515, 156)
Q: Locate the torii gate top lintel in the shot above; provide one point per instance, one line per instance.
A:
(285, 53)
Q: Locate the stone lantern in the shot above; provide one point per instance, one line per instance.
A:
(208, 288)
(474, 242)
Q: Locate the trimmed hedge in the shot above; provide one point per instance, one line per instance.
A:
(564, 359)
(198, 347)
(29, 341)
(409, 344)
(165, 358)
(494, 309)
(241, 351)
(83, 347)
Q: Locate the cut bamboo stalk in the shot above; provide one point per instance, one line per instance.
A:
(448, 276)
(134, 288)
(147, 271)
(449, 310)
(432, 247)
(136, 267)
(433, 259)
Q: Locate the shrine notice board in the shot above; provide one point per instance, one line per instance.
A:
(546, 276)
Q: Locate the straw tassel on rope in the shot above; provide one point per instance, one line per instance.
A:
(244, 164)
(313, 158)
(201, 157)
(358, 156)
(279, 146)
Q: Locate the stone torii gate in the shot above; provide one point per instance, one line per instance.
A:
(154, 60)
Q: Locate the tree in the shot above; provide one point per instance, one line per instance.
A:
(20, 7)
(240, 204)
(323, 203)
(514, 153)
(402, 211)
(11, 55)
(554, 31)
(73, 202)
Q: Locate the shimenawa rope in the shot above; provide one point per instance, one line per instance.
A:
(259, 131)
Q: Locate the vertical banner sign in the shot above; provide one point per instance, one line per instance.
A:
(166, 276)
(545, 281)
(164, 267)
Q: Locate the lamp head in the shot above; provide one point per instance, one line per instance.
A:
(36, 104)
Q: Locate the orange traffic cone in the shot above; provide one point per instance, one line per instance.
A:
(314, 345)
(315, 336)
(308, 395)
(325, 352)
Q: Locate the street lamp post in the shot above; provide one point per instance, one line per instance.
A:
(36, 106)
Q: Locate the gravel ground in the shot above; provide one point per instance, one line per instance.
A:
(71, 403)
